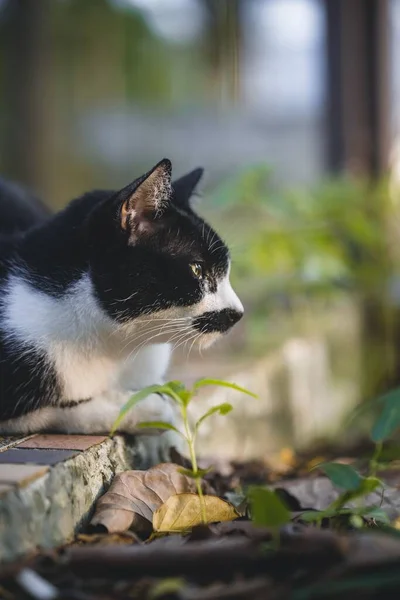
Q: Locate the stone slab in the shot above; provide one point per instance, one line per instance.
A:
(20, 474)
(47, 506)
(5, 487)
(62, 441)
(8, 441)
(35, 456)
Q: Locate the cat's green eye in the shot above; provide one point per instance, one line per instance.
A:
(197, 270)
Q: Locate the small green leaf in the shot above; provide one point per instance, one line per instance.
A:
(222, 409)
(158, 425)
(202, 382)
(170, 391)
(133, 400)
(194, 475)
(370, 484)
(176, 386)
(267, 509)
(389, 420)
(309, 516)
(178, 390)
(356, 521)
(392, 396)
(185, 396)
(343, 476)
(367, 485)
(374, 512)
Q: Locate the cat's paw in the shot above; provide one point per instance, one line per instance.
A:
(157, 449)
(154, 443)
(154, 408)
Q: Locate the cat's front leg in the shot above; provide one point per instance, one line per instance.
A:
(157, 444)
(99, 415)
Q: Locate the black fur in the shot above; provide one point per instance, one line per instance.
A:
(53, 252)
(27, 380)
(19, 209)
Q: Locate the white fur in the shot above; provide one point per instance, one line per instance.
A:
(224, 297)
(97, 358)
(84, 343)
(99, 415)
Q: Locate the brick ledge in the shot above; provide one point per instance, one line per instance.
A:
(44, 504)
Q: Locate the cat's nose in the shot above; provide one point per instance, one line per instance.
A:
(217, 320)
(231, 316)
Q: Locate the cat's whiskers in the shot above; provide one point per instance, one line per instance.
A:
(169, 319)
(166, 329)
(216, 248)
(201, 348)
(124, 299)
(180, 333)
(128, 330)
(213, 241)
(180, 339)
(185, 341)
(147, 342)
(192, 344)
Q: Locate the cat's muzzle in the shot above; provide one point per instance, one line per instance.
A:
(217, 320)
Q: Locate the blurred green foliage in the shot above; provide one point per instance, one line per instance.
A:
(329, 239)
(321, 253)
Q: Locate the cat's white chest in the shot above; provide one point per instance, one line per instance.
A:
(87, 377)
(83, 376)
(81, 342)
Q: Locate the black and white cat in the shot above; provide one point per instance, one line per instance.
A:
(93, 299)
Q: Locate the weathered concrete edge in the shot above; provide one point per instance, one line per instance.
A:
(51, 509)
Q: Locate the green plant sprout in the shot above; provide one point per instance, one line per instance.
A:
(182, 396)
(266, 506)
(269, 510)
(353, 484)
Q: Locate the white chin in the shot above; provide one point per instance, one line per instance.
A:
(208, 340)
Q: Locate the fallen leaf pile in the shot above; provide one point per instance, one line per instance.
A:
(161, 498)
(231, 558)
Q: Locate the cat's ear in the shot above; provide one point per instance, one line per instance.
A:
(184, 187)
(147, 198)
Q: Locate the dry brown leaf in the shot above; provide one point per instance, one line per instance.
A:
(134, 496)
(319, 492)
(183, 511)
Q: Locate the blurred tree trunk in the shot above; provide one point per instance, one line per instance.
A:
(224, 46)
(358, 86)
(26, 62)
(357, 143)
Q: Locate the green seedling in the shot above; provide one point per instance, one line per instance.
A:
(269, 510)
(182, 396)
(354, 485)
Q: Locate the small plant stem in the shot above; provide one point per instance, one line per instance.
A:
(374, 463)
(190, 438)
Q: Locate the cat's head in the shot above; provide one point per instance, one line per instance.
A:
(157, 265)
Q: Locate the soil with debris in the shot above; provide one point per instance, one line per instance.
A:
(232, 560)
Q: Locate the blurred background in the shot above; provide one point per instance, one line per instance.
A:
(293, 108)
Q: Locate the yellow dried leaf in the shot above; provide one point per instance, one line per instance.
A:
(183, 511)
(288, 457)
(135, 495)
